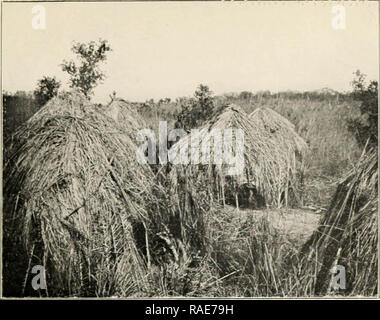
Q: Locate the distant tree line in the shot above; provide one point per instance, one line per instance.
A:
(17, 108)
(191, 112)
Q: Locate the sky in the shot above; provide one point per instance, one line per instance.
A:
(166, 49)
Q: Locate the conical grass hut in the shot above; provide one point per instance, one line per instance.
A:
(260, 162)
(279, 128)
(126, 117)
(282, 132)
(347, 235)
(78, 203)
(72, 193)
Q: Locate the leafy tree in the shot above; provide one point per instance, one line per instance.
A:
(204, 102)
(87, 75)
(47, 88)
(197, 110)
(366, 126)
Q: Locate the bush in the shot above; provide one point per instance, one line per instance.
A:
(196, 110)
(47, 88)
(365, 125)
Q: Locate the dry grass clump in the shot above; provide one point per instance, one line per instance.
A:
(269, 165)
(72, 190)
(348, 233)
(251, 257)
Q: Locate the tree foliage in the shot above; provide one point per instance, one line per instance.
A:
(86, 75)
(365, 127)
(196, 110)
(47, 88)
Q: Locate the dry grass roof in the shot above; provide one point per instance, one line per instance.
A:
(77, 201)
(268, 164)
(125, 115)
(280, 129)
(72, 187)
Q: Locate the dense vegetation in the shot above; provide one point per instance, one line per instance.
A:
(251, 255)
(335, 125)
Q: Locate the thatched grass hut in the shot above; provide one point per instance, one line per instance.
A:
(265, 166)
(280, 129)
(348, 234)
(72, 191)
(129, 122)
(294, 148)
(124, 114)
(77, 202)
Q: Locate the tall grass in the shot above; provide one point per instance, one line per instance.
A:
(180, 248)
(322, 120)
(254, 259)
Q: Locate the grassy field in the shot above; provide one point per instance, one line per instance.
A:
(221, 251)
(321, 120)
(257, 253)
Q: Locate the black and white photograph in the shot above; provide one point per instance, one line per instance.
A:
(190, 149)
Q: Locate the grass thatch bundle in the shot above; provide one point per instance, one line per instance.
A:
(72, 192)
(348, 233)
(269, 168)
